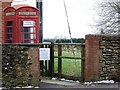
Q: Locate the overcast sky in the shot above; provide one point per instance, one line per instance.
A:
(80, 15)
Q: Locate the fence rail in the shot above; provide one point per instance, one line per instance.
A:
(61, 57)
(67, 57)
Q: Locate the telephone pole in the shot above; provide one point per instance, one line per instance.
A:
(39, 6)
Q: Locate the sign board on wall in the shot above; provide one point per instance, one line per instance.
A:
(44, 53)
(28, 23)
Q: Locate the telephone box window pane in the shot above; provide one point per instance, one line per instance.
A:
(26, 36)
(31, 41)
(9, 29)
(32, 30)
(28, 41)
(9, 41)
(32, 36)
(29, 29)
(9, 23)
(29, 36)
(26, 29)
(9, 36)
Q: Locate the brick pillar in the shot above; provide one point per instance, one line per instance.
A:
(35, 67)
(0, 22)
(92, 54)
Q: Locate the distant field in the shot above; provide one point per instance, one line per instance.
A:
(71, 67)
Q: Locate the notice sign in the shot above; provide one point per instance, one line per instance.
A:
(28, 23)
(44, 53)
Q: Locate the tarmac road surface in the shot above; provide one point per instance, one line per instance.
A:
(62, 85)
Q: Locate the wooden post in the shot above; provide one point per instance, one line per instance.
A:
(82, 62)
(59, 61)
(42, 64)
(51, 61)
(46, 64)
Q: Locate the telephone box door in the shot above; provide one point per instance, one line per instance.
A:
(28, 31)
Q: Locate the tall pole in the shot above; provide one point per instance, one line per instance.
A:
(39, 6)
(69, 29)
(67, 21)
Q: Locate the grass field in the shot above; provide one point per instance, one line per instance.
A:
(71, 67)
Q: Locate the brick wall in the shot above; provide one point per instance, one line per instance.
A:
(102, 57)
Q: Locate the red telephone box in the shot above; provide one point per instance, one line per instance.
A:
(21, 24)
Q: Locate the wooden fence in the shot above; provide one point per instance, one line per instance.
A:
(47, 67)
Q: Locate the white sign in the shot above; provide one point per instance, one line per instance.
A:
(44, 53)
(28, 23)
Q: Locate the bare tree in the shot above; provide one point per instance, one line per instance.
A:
(108, 21)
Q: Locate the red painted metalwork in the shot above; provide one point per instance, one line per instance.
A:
(21, 24)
